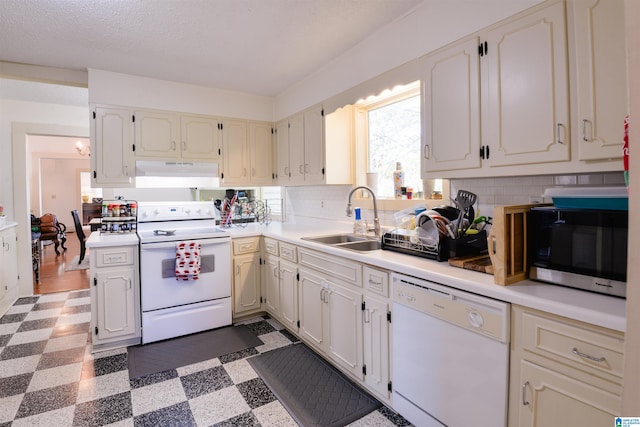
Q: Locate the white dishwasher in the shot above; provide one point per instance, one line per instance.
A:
(450, 355)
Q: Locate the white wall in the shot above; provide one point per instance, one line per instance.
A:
(60, 186)
(12, 111)
(106, 87)
(430, 26)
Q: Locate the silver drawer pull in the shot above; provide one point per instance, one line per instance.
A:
(586, 356)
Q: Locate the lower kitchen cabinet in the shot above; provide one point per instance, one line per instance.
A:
(9, 265)
(375, 328)
(271, 284)
(563, 372)
(115, 297)
(246, 275)
(288, 288)
(331, 319)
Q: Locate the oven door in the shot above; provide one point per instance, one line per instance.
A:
(158, 284)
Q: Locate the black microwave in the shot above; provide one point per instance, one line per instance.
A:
(579, 248)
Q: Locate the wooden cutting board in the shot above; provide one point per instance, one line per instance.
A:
(481, 263)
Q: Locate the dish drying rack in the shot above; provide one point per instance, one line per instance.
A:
(407, 242)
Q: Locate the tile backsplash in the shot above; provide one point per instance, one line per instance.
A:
(329, 202)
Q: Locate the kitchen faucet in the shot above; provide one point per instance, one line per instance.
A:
(376, 220)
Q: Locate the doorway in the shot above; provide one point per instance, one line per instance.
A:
(22, 135)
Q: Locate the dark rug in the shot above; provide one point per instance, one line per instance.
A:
(176, 352)
(314, 392)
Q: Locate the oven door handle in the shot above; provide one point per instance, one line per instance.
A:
(166, 245)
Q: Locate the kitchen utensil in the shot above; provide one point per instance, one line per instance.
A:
(464, 200)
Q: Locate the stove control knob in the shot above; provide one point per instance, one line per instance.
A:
(156, 212)
(198, 211)
(187, 211)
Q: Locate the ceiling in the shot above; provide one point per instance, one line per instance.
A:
(255, 46)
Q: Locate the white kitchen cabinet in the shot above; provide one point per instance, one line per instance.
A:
(288, 294)
(563, 372)
(330, 308)
(525, 84)
(246, 275)
(115, 297)
(247, 153)
(376, 345)
(451, 97)
(271, 284)
(163, 135)
(601, 77)
(112, 160)
(9, 264)
(235, 149)
(314, 149)
(282, 169)
(261, 153)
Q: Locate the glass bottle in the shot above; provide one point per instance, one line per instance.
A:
(398, 181)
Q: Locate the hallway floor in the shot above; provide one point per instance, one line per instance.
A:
(53, 274)
(49, 377)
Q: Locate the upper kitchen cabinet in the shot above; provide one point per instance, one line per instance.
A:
(261, 153)
(499, 99)
(525, 86)
(170, 136)
(247, 153)
(451, 96)
(112, 161)
(236, 152)
(601, 71)
(306, 141)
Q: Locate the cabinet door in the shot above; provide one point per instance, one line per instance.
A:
(283, 170)
(345, 327)
(157, 135)
(8, 261)
(115, 303)
(271, 285)
(552, 399)
(200, 138)
(289, 295)
(261, 153)
(246, 283)
(112, 148)
(526, 88)
(312, 298)
(314, 146)
(601, 77)
(296, 148)
(451, 97)
(234, 152)
(376, 345)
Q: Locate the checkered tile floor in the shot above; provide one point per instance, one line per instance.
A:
(48, 376)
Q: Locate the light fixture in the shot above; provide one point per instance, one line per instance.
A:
(82, 149)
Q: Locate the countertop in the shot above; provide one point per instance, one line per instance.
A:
(601, 310)
(97, 240)
(4, 225)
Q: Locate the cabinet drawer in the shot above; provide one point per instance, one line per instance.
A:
(580, 345)
(246, 245)
(115, 256)
(376, 280)
(271, 246)
(345, 270)
(288, 252)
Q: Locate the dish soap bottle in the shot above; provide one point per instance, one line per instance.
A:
(359, 227)
(398, 181)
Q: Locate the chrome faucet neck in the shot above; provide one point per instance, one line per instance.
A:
(376, 220)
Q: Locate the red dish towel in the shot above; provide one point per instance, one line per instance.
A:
(187, 260)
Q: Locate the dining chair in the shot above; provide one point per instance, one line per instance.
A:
(52, 230)
(80, 234)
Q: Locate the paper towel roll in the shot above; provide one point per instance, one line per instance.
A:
(372, 181)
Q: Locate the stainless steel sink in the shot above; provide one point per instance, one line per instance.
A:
(347, 241)
(363, 246)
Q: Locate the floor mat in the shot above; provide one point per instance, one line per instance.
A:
(170, 354)
(313, 391)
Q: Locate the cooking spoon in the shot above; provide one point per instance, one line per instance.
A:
(464, 200)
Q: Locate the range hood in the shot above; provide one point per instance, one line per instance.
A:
(160, 174)
(176, 169)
